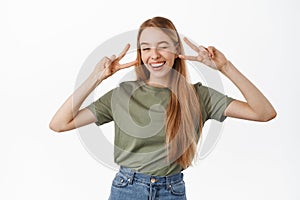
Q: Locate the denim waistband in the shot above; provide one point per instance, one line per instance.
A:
(150, 179)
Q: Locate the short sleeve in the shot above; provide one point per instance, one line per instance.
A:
(213, 102)
(101, 108)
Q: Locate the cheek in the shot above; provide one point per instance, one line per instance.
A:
(171, 59)
(144, 58)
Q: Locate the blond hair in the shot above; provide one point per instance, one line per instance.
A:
(183, 123)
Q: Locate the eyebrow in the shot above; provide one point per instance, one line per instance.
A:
(161, 42)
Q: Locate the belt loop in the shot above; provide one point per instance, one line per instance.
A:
(168, 183)
(130, 179)
(129, 173)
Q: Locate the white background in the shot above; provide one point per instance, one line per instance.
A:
(43, 45)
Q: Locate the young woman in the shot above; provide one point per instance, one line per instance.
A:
(159, 117)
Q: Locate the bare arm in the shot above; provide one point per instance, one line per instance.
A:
(69, 116)
(257, 107)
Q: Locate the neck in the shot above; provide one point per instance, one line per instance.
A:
(158, 82)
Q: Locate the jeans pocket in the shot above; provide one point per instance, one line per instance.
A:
(178, 189)
(120, 180)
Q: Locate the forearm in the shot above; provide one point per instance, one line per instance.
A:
(257, 102)
(69, 109)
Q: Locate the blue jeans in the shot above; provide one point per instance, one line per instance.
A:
(130, 185)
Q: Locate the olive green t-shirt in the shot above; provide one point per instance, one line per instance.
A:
(138, 111)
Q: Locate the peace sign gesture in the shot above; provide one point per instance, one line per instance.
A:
(108, 66)
(209, 56)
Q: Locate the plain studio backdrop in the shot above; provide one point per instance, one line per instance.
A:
(44, 44)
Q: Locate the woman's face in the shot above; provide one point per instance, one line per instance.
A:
(158, 52)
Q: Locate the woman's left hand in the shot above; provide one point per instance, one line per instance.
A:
(209, 56)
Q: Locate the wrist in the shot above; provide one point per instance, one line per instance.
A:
(226, 67)
(93, 80)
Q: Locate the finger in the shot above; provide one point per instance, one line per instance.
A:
(105, 61)
(109, 60)
(194, 47)
(211, 50)
(123, 53)
(112, 58)
(192, 58)
(203, 48)
(126, 65)
(203, 51)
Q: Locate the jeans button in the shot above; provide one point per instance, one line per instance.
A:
(152, 180)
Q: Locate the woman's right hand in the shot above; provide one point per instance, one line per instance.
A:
(108, 66)
(69, 115)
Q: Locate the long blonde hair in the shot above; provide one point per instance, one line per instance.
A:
(183, 123)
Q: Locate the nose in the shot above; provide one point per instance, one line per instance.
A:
(154, 53)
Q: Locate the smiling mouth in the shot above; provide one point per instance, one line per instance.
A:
(157, 64)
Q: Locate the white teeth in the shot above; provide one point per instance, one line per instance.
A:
(157, 64)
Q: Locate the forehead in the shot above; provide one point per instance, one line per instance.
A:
(154, 35)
